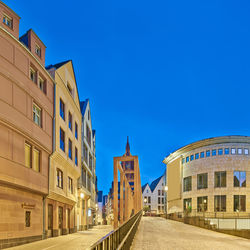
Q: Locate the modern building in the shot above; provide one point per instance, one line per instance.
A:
(26, 118)
(65, 161)
(87, 181)
(210, 175)
(154, 195)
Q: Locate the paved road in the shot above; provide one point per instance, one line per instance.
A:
(158, 233)
(77, 241)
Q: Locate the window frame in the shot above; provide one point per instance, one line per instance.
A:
(62, 109)
(6, 19)
(204, 180)
(59, 177)
(62, 142)
(187, 184)
(218, 174)
(36, 115)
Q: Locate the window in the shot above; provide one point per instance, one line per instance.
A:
(201, 181)
(62, 109)
(233, 151)
(159, 200)
(90, 162)
(220, 151)
(69, 89)
(59, 175)
(70, 149)
(213, 152)
(226, 151)
(187, 159)
(8, 21)
(183, 160)
(149, 199)
(202, 154)
(70, 185)
(37, 114)
(220, 203)
(62, 140)
(197, 156)
(191, 157)
(239, 203)
(239, 179)
(208, 153)
(239, 151)
(38, 50)
(27, 218)
(187, 204)
(187, 184)
(27, 155)
(246, 151)
(36, 160)
(88, 135)
(159, 192)
(162, 200)
(70, 121)
(88, 114)
(85, 153)
(76, 130)
(32, 75)
(202, 204)
(42, 85)
(220, 179)
(162, 192)
(76, 156)
(159, 208)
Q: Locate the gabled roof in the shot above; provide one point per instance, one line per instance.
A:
(58, 65)
(143, 187)
(155, 183)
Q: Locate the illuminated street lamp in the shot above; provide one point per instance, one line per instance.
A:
(82, 195)
(145, 200)
(166, 188)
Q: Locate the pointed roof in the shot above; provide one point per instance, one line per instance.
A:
(57, 65)
(127, 149)
(144, 186)
(155, 183)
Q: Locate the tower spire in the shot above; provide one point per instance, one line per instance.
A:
(127, 148)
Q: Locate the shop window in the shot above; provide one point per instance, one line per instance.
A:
(187, 204)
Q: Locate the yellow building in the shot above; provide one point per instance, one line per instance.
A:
(65, 161)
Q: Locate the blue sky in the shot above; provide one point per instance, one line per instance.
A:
(166, 73)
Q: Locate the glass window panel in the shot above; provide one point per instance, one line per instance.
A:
(191, 157)
(183, 160)
(187, 159)
(213, 152)
(226, 152)
(246, 151)
(236, 178)
(27, 155)
(233, 151)
(36, 156)
(239, 151)
(196, 156)
(202, 155)
(223, 179)
(220, 151)
(208, 153)
(242, 179)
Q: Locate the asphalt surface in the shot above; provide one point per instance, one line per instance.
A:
(78, 241)
(159, 233)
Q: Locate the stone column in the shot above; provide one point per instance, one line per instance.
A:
(64, 231)
(55, 219)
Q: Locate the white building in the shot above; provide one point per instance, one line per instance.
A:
(154, 195)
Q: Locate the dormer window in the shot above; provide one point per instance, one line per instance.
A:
(38, 50)
(32, 75)
(8, 21)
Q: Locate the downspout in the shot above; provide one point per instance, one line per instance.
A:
(53, 149)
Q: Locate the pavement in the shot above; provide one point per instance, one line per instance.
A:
(77, 241)
(159, 233)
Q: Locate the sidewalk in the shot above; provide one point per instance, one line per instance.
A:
(80, 240)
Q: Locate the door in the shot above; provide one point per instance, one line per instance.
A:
(60, 220)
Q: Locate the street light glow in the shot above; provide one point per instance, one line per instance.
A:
(82, 195)
(166, 188)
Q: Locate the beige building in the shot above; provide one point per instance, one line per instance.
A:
(210, 176)
(87, 205)
(26, 114)
(65, 162)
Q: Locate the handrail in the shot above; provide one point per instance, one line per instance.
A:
(116, 239)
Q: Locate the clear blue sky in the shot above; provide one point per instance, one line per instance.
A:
(166, 73)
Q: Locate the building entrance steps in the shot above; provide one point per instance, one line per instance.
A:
(160, 234)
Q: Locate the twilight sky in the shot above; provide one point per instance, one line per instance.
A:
(166, 73)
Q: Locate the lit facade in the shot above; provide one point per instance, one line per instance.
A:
(65, 162)
(26, 114)
(210, 175)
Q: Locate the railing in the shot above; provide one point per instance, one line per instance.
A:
(122, 237)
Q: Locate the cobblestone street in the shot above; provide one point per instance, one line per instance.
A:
(80, 240)
(158, 233)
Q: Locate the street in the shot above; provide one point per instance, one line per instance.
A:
(159, 233)
(78, 241)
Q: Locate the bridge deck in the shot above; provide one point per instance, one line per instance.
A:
(80, 240)
(158, 233)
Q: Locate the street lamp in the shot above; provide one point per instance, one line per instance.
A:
(82, 195)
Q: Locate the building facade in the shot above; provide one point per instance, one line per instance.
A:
(210, 175)
(87, 181)
(65, 161)
(154, 196)
(26, 115)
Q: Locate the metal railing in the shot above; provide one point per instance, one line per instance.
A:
(120, 238)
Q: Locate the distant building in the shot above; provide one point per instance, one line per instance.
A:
(154, 195)
(100, 208)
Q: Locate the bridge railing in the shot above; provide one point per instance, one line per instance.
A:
(120, 238)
